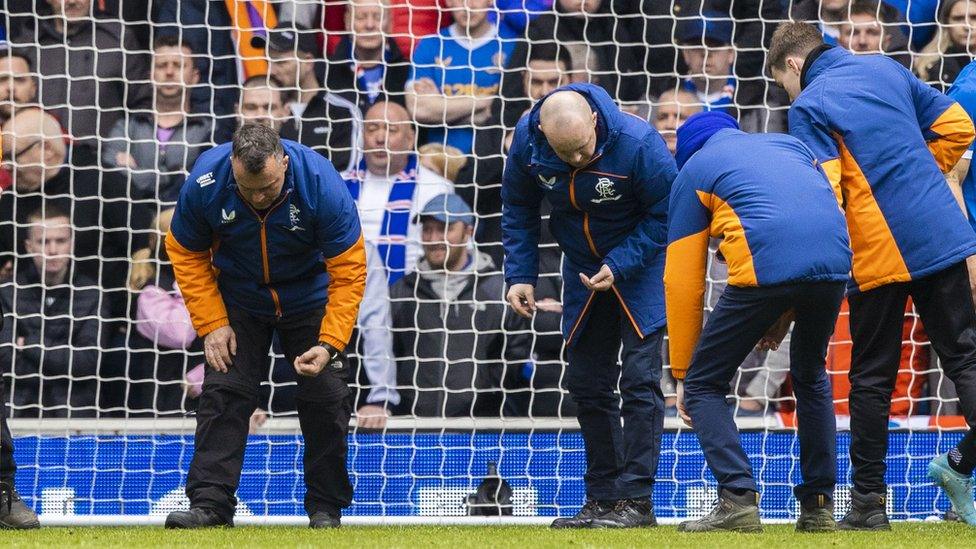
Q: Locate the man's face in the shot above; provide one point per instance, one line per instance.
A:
(385, 133)
(49, 245)
(834, 5)
(443, 247)
(262, 105)
(173, 71)
(669, 116)
(17, 86)
(788, 78)
(574, 148)
(289, 68)
(863, 34)
(71, 9)
(260, 190)
(580, 6)
(541, 77)
(366, 18)
(713, 61)
(35, 159)
(962, 25)
(469, 14)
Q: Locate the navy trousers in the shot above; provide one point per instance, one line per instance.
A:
(620, 459)
(739, 320)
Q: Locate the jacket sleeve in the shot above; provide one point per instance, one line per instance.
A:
(341, 241)
(653, 172)
(520, 214)
(684, 272)
(376, 329)
(947, 128)
(809, 124)
(188, 245)
(163, 319)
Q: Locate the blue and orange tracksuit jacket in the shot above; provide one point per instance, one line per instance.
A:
(612, 211)
(303, 252)
(766, 197)
(885, 139)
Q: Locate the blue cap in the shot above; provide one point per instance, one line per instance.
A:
(697, 129)
(712, 25)
(448, 208)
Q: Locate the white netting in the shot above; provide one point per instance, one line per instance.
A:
(132, 93)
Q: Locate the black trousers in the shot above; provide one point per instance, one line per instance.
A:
(7, 464)
(229, 399)
(945, 305)
(621, 461)
(739, 320)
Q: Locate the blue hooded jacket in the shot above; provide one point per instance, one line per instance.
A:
(612, 211)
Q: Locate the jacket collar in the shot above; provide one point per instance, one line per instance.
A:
(817, 61)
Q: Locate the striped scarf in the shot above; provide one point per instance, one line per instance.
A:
(392, 241)
(250, 17)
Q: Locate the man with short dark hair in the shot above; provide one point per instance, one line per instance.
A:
(262, 102)
(256, 222)
(18, 87)
(871, 26)
(910, 239)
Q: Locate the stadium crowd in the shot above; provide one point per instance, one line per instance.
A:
(105, 106)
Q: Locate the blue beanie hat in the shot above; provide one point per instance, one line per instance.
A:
(693, 134)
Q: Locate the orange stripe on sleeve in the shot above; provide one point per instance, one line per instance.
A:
(956, 133)
(197, 280)
(347, 283)
(684, 293)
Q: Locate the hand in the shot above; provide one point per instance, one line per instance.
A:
(425, 86)
(316, 359)
(482, 110)
(775, 334)
(522, 299)
(219, 347)
(549, 305)
(680, 402)
(371, 416)
(125, 160)
(258, 419)
(600, 282)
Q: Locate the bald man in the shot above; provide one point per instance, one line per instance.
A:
(45, 169)
(608, 176)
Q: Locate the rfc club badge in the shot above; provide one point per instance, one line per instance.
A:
(605, 188)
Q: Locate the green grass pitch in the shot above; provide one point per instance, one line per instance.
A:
(909, 535)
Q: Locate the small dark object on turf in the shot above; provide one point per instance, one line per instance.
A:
(492, 498)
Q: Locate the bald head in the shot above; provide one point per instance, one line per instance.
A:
(388, 138)
(569, 125)
(33, 141)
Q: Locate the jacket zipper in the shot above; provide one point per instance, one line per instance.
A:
(266, 268)
(586, 215)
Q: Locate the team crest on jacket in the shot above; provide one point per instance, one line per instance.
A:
(548, 183)
(608, 193)
(293, 212)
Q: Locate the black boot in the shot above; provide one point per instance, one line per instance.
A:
(14, 513)
(733, 513)
(867, 512)
(196, 517)
(591, 510)
(627, 513)
(322, 519)
(816, 515)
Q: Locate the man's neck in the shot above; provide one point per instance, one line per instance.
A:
(367, 58)
(171, 111)
(710, 86)
(475, 32)
(54, 279)
(460, 263)
(395, 165)
(308, 87)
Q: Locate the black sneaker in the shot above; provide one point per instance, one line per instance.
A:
(816, 515)
(197, 517)
(323, 519)
(590, 510)
(867, 512)
(14, 513)
(732, 514)
(627, 513)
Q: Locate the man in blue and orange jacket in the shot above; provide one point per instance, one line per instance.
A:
(885, 140)
(785, 242)
(607, 175)
(266, 241)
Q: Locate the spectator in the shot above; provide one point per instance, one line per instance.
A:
(91, 69)
(53, 337)
(454, 340)
(18, 87)
(670, 111)
(456, 75)
(45, 167)
(368, 64)
(262, 102)
(871, 27)
(155, 149)
(411, 20)
(163, 331)
(953, 46)
(321, 120)
(825, 14)
(390, 186)
(706, 47)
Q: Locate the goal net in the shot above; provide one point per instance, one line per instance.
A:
(106, 107)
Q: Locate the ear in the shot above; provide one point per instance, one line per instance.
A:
(796, 67)
(593, 118)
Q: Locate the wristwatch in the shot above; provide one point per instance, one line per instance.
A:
(334, 362)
